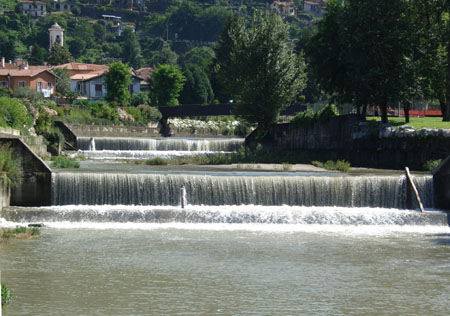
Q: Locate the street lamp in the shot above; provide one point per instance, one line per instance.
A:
(8, 76)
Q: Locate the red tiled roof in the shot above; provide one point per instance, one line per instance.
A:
(33, 2)
(23, 72)
(80, 66)
(286, 4)
(145, 73)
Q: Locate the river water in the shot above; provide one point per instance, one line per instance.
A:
(117, 242)
(209, 269)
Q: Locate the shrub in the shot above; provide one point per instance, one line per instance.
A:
(135, 113)
(430, 165)
(64, 162)
(6, 295)
(327, 112)
(305, 118)
(156, 162)
(317, 164)
(14, 113)
(340, 165)
(10, 172)
(287, 166)
(139, 98)
(32, 95)
(21, 232)
(150, 113)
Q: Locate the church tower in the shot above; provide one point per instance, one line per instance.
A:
(56, 35)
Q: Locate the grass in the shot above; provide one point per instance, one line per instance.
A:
(415, 122)
(20, 232)
(339, 165)
(64, 162)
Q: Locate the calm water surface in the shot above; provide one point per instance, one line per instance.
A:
(197, 270)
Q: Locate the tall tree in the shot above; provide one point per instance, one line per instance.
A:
(259, 68)
(63, 81)
(362, 51)
(59, 55)
(167, 83)
(37, 55)
(132, 49)
(118, 80)
(197, 89)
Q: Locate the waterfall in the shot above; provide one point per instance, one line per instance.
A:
(164, 189)
(159, 144)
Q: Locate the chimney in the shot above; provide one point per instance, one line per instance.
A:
(3, 62)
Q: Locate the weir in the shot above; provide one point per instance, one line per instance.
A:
(205, 189)
(159, 144)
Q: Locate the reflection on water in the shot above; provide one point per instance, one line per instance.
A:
(167, 271)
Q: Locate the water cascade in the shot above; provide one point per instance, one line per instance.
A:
(160, 144)
(201, 189)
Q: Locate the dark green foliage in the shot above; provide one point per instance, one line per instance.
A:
(150, 113)
(63, 85)
(430, 165)
(59, 55)
(10, 172)
(30, 94)
(132, 49)
(64, 162)
(38, 55)
(258, 68)
(167, 83)
(135, 113)
(197, 88)
(156, 162)
(308, 117)
(139, 98)
(14, 114)
(117, 80)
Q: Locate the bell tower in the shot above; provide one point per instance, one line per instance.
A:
(56, 35)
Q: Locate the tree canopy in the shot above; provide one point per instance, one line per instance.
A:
(259, 68)
(118, 80)
(167, 83)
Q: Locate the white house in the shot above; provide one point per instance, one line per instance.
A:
(284, 9)
(34, 8)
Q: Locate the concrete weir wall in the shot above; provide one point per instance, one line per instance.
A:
(335, 139)
(5, 195)
(35, 188)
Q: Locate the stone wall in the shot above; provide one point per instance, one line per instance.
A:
(114, 131)
(341, 138)
(35, 189)
(5, 195)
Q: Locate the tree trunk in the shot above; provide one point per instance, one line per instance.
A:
(407, 107)
(364, 110)
(384, 118)
(444, 109)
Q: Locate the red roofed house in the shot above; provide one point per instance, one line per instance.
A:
(39, 78)
(284, 9)
(34, 8)
(88, 80)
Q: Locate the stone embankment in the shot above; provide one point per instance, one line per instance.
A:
(348, 137)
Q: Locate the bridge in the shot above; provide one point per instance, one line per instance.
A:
(224, 109)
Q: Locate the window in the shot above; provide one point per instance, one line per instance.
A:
(39, 86)
(3, 84)
(98, 90)
(49, 85)
(21, 84)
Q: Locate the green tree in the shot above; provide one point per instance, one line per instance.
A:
(77, 47)
(118, 80)
(259, 69)
(364, 54)
(63, 81)
(197, 89)
(132, 49)
(38, 55)
(167, 83)
(59, 55)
